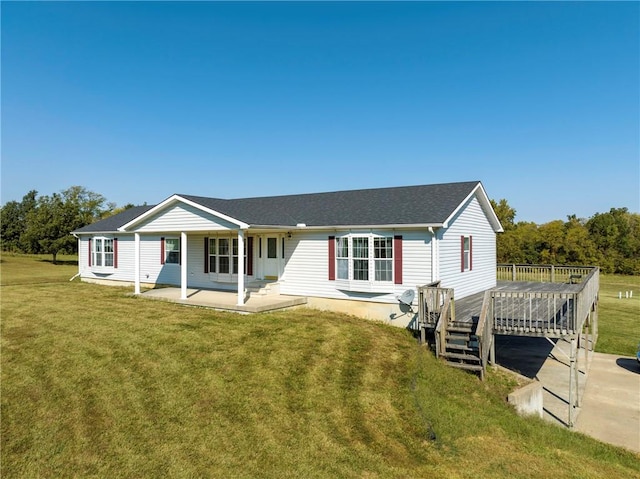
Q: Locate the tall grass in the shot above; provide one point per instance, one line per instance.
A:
(97, 383)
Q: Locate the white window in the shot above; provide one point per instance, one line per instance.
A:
(383, 258)
(365, 258)
(213, 255)
(342, 257)
(172, 251)
(223, 255)
(466, 253)
(102, 253)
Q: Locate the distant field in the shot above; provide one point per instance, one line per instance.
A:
(619, 319)
(97, 383)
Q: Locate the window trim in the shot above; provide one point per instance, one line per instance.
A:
(232, 256)
(370, 284)
(98, 254)
(466, 253)
(166, 252)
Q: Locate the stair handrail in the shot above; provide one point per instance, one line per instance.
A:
(484, 329)
(443, 320)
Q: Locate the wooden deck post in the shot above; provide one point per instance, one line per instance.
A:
(573, 379)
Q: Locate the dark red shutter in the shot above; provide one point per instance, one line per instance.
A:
(470, 253)
(397, 259)
(332, 258)
(90, 241)
(206, 256)
(115, 253)
(462, 254)
(162, 250)
(249, 267)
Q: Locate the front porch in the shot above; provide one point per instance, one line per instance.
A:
(225, 300)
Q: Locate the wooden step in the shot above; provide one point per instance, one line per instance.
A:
(466, 367)
(460, 347)
(457, 337)
(460, 356)
(460, 329)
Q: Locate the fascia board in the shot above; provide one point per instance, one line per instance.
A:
(179, 199)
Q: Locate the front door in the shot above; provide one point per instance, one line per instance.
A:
(271, 261)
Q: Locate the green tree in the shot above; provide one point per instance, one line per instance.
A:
(50, 223)
(505, 213)
(13, 223)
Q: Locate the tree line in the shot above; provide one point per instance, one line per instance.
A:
(609, 240)
(42, 224)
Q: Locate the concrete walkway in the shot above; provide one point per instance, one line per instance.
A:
(610, 408)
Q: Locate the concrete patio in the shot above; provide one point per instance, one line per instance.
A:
(226, 300)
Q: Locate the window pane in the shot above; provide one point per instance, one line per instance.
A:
(360, 247)
(343, 269)
(272, 248)
(212, 264)
(361, 269)
(98, 245)
(173, 244)
(108, 259)
(235, 265)
(383, 247)
(235, 246)
(173, 257)
(108, 246)
(223, 247)
(342, 247)
(224, 264)
(212, 246)
(383, 270)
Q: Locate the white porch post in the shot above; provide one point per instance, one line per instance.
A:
(240, 267)
(136, 261)
(183, 265)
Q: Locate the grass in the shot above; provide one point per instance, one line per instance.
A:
(97, 383)
(618, 319)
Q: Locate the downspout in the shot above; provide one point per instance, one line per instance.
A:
(78, 273)
(435, 268)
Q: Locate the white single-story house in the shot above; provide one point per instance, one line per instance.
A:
(355, 251)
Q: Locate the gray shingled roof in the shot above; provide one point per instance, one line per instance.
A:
(426, 204)
(112, 223)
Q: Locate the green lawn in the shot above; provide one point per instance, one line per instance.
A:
(98, 383)
(618, 319)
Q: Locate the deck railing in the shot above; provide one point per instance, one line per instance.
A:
(436, 308)
(549, 313)
(542, 273)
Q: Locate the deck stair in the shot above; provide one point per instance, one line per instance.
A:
(461, 349)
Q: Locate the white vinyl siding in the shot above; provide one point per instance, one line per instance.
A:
(182, 217)
(307, 265)
(124, 271)
(471, 221)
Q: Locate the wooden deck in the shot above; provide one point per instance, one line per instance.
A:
(529, 300)
(524, 308)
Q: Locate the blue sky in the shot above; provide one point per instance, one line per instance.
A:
(140, 100)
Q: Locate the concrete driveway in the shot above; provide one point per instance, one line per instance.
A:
(610, 408)
(608, 385)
